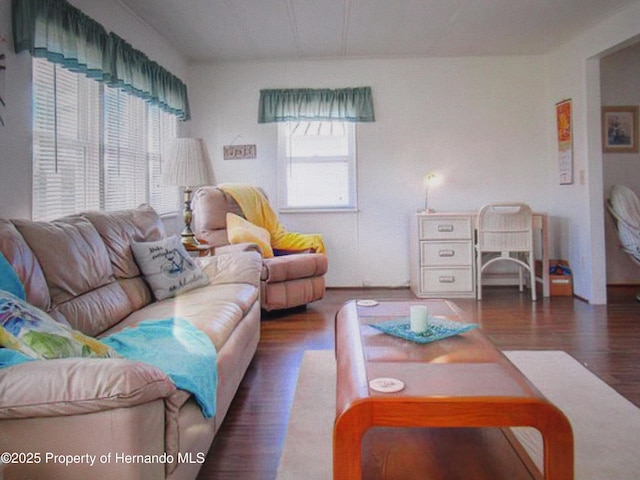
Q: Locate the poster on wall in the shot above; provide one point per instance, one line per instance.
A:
(565, 142)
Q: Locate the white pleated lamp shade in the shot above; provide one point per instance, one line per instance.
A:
(187, 164)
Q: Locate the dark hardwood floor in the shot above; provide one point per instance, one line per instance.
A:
(606, 339)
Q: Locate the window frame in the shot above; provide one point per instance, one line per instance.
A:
(92, 122)
(284, 161)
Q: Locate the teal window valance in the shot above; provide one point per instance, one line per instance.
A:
(309, 104)
(61, 33)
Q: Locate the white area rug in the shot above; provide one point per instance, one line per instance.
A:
(606, 426)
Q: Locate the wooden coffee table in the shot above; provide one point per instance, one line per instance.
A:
(462, 381)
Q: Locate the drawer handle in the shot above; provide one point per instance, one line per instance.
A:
(447, 279)
(445, 228)
(447, 253)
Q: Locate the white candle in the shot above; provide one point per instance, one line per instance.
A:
(419, 318)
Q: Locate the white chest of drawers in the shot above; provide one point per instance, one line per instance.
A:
(442, 255)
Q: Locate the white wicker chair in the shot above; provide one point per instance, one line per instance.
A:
(505, 233)
(624, 207)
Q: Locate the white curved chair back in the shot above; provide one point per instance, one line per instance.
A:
(505, 232)
(624, 206)
(505, 227)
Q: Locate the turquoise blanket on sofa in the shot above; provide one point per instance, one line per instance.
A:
(10, 357)
(179, 349)
(184, 353)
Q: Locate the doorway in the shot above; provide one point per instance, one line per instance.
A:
(620, 86)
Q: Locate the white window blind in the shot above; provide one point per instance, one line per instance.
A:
(317, 165)
(125, 146)
(161, 132)
(95, 147)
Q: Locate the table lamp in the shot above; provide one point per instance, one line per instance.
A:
(187, 165)
(429, 180)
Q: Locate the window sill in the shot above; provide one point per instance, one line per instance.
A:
(318, 210)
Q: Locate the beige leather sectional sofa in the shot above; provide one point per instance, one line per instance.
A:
(127, 417)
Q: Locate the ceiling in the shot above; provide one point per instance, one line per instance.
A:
(218, 30)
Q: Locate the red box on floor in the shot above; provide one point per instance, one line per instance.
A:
(560, 285)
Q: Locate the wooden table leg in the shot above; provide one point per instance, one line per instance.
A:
(351, 425)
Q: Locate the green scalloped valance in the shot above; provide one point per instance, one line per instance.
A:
(61, 33)
(308, 104)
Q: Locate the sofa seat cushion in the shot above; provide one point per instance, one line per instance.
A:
(217, 308)
(291, 267)
(244, 296)
(179, 349)
(217, 319)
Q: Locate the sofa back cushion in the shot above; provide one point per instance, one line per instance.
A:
(17, 252)
(210, 207)
(118, 231)
(78, 272)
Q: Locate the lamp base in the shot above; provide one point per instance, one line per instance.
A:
(187, 235)
(188, 238)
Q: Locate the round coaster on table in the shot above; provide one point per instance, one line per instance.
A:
(386, 385)
(367, 303)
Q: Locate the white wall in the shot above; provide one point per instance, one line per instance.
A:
(574, 73)
(15, 138)
(620, 85)
(486, 124)
(480, 123)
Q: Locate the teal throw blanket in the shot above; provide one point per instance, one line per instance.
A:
(179, 349)
(9, 357)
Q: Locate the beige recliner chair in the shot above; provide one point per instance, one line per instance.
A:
(289, 278)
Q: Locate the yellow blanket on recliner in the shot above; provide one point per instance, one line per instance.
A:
(257, 210)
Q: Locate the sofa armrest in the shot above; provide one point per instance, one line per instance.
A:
(243, 267)
(292, 267)
(237, 248)
(72, 386)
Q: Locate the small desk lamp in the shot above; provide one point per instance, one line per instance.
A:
(187, 165)
(429, 179)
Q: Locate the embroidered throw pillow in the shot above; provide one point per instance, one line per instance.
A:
(34, 333)
(240, 230)
(167, 267)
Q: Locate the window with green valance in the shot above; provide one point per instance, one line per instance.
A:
(308, 104)
(61, 33)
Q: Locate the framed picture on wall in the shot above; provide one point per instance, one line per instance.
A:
(620, 129)
(565, 141)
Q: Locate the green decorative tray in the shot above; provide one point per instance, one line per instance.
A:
(438, 329)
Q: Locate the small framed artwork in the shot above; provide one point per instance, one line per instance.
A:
(565, 141)
(620, 129)
(239, 152)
